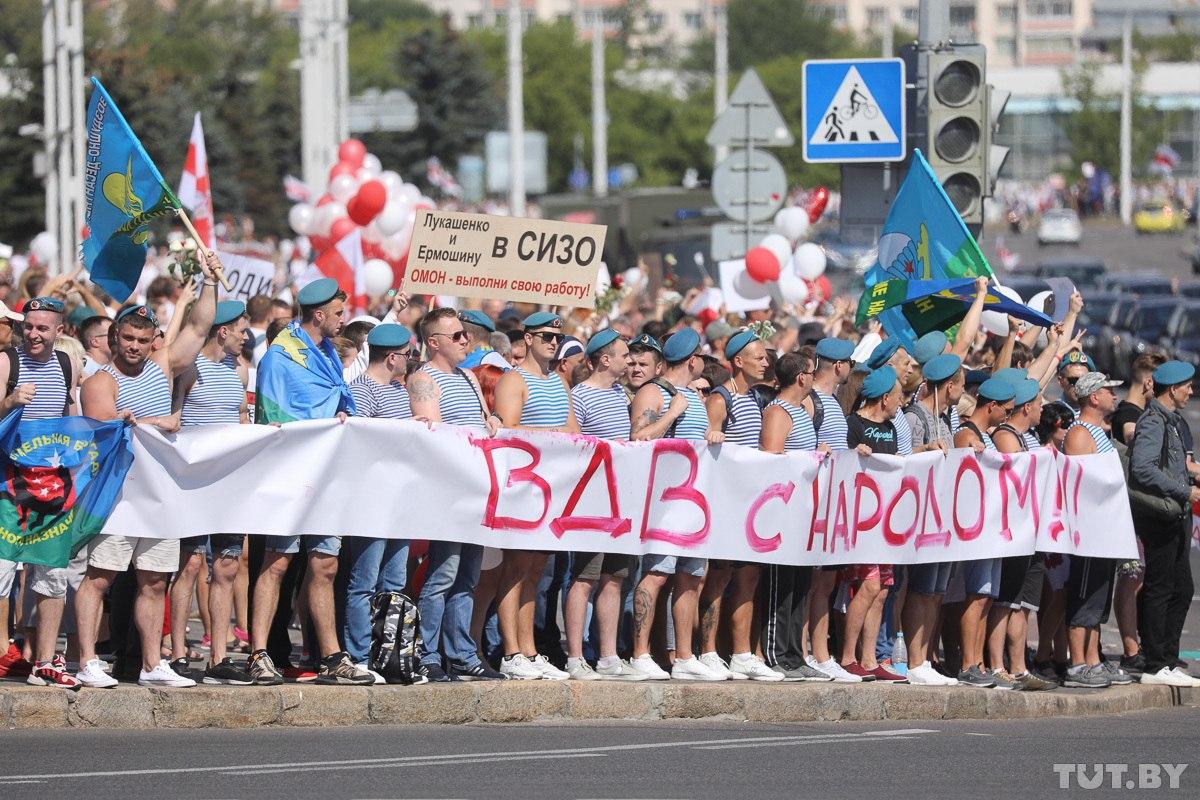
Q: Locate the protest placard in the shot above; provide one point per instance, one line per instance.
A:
(248, 276)
(506, 258)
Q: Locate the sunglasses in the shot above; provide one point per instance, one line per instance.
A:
(457, 336)
(548, 337)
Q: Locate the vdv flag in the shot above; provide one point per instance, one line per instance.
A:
(941, 304)
(923, 239)
(299, 380)
(61, 480)
(123, 191)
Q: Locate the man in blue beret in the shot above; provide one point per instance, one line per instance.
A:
(479, 328)
(647, 362)
(1158, 464)
(212, 391)
(668, 408)
(892, 353)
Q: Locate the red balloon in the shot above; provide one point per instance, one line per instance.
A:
(352, 152)
(816, 203)
(323, 199)
(762, 265)
(340, 228)
(354, 212)
(707, 315)
(369, 201)
(342, 168)
(399, 265)
(820, 289)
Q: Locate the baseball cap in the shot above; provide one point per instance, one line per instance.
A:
(1091, 382)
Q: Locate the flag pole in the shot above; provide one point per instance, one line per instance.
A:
(187, 223)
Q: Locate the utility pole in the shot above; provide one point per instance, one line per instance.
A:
(721, 71)
(324, 86)
(63, 125)
(516, 114)
(599, 111)
(1127, 120)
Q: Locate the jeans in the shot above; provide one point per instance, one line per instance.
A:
(1166, 594)
(446, 602)
(551, 593)
(375, 565)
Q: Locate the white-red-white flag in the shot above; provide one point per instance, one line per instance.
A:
(344, 263)
(195, 192)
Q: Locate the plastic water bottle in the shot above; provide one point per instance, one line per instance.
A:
(900, 655)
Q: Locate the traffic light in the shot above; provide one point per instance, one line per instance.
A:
(961, 115)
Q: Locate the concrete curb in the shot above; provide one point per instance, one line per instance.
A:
(132, 707)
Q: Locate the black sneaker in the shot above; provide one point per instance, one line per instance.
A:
(263, 670)
(1116, 675)
(182, 667)
(1046, 671)
(227, 673)
(478, 672)
(1135, 664)
(436, 674)
(339, 670)
(976, 677)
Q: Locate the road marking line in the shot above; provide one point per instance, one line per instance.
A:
(426, 763)
(810, 741)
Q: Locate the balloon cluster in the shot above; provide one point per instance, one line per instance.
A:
(796, 267)
(361, 195)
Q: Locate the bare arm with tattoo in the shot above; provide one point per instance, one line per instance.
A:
(649, 419)
(423, 396)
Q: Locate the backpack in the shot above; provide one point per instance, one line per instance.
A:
(396, 638)
(762, 395)
(671, 392)
(818, 411)
(14, 373)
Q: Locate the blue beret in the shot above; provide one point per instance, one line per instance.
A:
(1026, 390)
(882, 352)
(738, 342)
(976, 376)
(929, 346)
(1077, 357)
(879, 382)
(681, 346)
(389, 335)
(542, 319)
(46, 304)
(939, 368)
(1174, 372)
(477, 318)
(228, 311)
(835, 349)
(997, 389)
(601, 340)
(318, 293)
(80, 315)
(1011, 374)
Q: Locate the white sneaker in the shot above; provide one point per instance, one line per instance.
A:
(520, 668)
(94, 676)
(926, 675)
(621, 671)
(163, 675)
(1166, 677)
(753, 667)
(548, 670)
(716, 664)
(365, 667)
(1194, 682)
(580, 670)
(834, 670)
(693, 669)
(647, 666)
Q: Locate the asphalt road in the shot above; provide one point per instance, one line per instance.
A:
(936, 759)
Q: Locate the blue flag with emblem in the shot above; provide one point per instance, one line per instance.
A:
(123, 191)
(924, 239)
(299, 380)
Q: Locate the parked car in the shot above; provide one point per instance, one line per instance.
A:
(1182, 340)
(1144, 284)
(1142, 330)
(1097, 307)
(1059, 226)
(1190, 290)
(1159, 217)
(1085, 273)
(1195, 257)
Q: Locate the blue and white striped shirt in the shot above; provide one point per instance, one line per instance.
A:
(833, 424)
(744, 421)
(548, 404)
(955, 421)
(459, 402)
(51, 396)
(1103, 443)
(603, 413)
(147, 394)
(1031, 440)
(216, 396)
(374, 399)
(802, 436)
(693, 423)
(904, 436)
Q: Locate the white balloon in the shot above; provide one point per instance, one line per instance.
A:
(300, 217)
(324, 217)
(1040, 300)
(391, 219)
(792, 222)
(410, 193)
(791, 288)
(371, 233)
(396, 245)
(809, 261)
(372, 164)
(391, 181)
(303, 247)
(996, 322)
(44, 248)
(778, 245)
(377, 277)
(342, 188)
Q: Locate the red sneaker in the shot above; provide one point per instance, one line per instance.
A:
(885, 675)
(53, 674)
(299, 674)
(854, 668)
(13, 664)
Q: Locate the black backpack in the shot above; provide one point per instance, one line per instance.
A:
(671, 392)
(396, 638)
(14, 373)
(818, 410)
(762, 395)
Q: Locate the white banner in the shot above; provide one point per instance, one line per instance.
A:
(548, 491)
(248, 276)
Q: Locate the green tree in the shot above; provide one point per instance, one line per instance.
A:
(1093, 130)
(20, 68)
(762, 30)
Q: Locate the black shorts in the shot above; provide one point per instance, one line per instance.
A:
(590, 566)
(1013, 570)
(1089, 591)
(1031, 594)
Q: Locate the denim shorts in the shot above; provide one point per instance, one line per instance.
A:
(226, 545)
(289, 545)
(669, 565)
(929, 579)
(982, 576)
(193, 544)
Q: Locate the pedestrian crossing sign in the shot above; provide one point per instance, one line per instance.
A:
(853, 110)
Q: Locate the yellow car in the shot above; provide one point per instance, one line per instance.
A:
(1158, 217)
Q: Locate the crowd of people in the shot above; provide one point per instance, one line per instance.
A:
(783, 379)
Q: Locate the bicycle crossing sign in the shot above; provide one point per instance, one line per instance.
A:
(853, 110)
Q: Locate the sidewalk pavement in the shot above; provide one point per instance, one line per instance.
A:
(27, 707)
